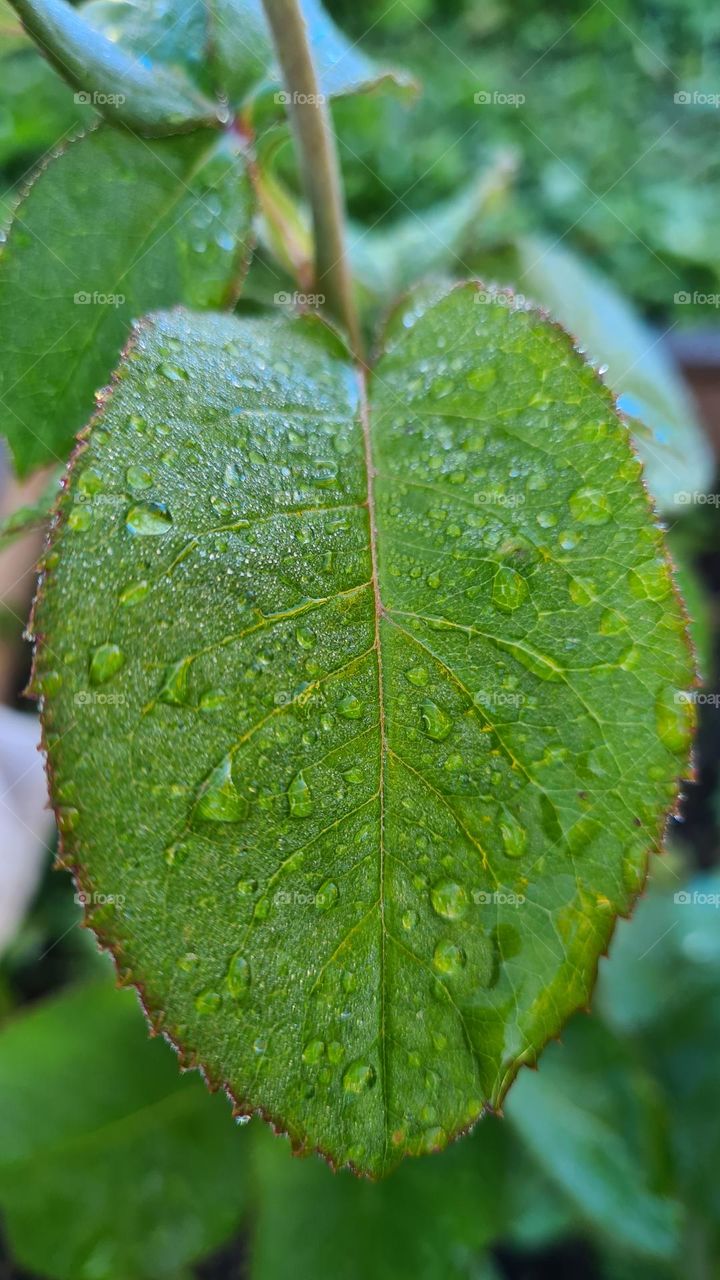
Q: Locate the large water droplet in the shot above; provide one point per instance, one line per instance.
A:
(174, 689)
(350, 707)
(436, 723)
(105, 662)
(327, 895)
(208, 1001)
(448, 957)
(358, 1077)
(590, 506)
(514, 836)
(509, 588)
(238, 976)
(149, 519)
(219, 799)
(449, 899)
(134, 593)
(300, 797)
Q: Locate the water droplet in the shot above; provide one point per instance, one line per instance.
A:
(350, 707)
(219, 800)
(327, 895)
(417, 676)
(409, 920)
(449, 899)
(509, 588)
(448, 957)
(650, 581)
(133, 593)
(174, 689)
(49, 683)
(305, 638)
(148, 519)
(514, 837)
(358, 1077)
(353, 775)
(208, 1001)
(246, 888)
(436, 723)
(300, 797)
(172, 372)
(590, 506)
(90, 482)
(237, 979)
(313, 1052)
(213, 700)
(79, 519)
(138, 478)
(105, 662)
(187, 962)
(674, 717)
(433, 580)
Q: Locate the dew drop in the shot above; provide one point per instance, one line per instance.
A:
(208, 1002)
(134, 593)
(105, 662)
(448, 957)
(219, 800)
(138, 478)
(514, 837)
(417, 676)
(350, 707)
(148, 519)
(590, 506)
(313, 1052)
(327, 895)
(300, 797)
(359, 1077)
(509, 588)
(305, 638)
(174, 689)
(436, 722)
(237, 979)
(449, 899)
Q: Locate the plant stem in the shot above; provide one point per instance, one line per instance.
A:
(310, 120)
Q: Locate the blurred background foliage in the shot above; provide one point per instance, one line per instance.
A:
(113, 1166)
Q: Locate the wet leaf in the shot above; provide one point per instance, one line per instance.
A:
(170, 222)
(387, 721)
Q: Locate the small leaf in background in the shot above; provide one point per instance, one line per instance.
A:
(226, 46)
(368, 853)
(115, 226)
(123, 88)
(566, 1114)
(112, 1165)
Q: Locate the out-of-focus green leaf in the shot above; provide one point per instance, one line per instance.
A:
(567, 1115)
(430, 1221)
(226, 45)
(113, 1166)
(148, 98)
(112, 228)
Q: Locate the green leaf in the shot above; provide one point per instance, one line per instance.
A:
(126, 90)
(112, 1165)
(426, 1223)
(36, 109)
(171, 223)
(227, 47)
(591, 1118)
(390, 789)
(33, 515)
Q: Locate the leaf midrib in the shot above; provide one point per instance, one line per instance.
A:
(379, 612)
